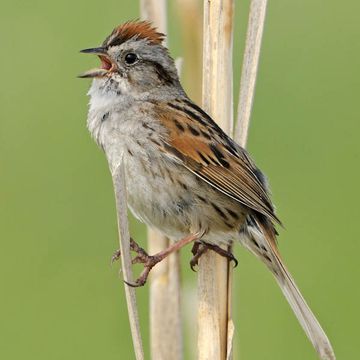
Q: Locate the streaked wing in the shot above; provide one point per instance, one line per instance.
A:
(201, 146)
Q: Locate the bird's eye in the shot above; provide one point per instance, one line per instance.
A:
(131, 58)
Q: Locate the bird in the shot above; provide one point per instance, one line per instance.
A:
(184, 175)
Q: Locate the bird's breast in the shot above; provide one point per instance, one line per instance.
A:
(161, 191)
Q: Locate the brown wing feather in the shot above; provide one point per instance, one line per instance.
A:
(202, 147)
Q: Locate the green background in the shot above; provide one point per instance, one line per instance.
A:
(60, 299)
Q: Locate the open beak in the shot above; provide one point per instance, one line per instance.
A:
(106, 67)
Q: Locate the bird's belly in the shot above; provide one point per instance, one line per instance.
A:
(168, 197)
(155, 199)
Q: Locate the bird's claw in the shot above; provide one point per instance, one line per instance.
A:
(116, 256)
(200, 248)
(142, 257)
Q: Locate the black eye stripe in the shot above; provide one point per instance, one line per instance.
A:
(161, 72)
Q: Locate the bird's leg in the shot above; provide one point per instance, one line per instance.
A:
(201, 247)
(149, 261)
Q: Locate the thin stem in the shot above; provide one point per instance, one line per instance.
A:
(250, 68)
(126, 266)
(247, 82)
(214, 313)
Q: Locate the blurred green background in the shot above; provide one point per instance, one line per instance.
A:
(60, 299)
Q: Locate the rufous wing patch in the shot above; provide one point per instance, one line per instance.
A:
(209, 159)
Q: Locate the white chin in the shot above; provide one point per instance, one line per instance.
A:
(100, 95)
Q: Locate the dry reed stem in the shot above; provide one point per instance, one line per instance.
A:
(156, 12)
(126, 266)
(165, 316)
(254, 34)
(189, 13)
(213, 281)
(250, 68)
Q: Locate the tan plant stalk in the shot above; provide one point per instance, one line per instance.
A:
(255, 29)
(214, 279)
(249, 69)
(189, 13)
(165, 316)
(216, 328)
(126, 266)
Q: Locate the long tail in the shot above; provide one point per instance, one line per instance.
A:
(260, 238)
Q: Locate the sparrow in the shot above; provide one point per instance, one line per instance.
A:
(184, 175)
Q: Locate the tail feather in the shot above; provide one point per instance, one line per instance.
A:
(304, 314)
(261, 241)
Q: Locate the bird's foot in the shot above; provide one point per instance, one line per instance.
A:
(149, 261)
(200, 248)
(142, 257)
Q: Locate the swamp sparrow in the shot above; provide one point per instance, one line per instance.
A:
(185, 176)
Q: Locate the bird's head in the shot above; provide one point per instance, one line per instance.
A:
(133, 57)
